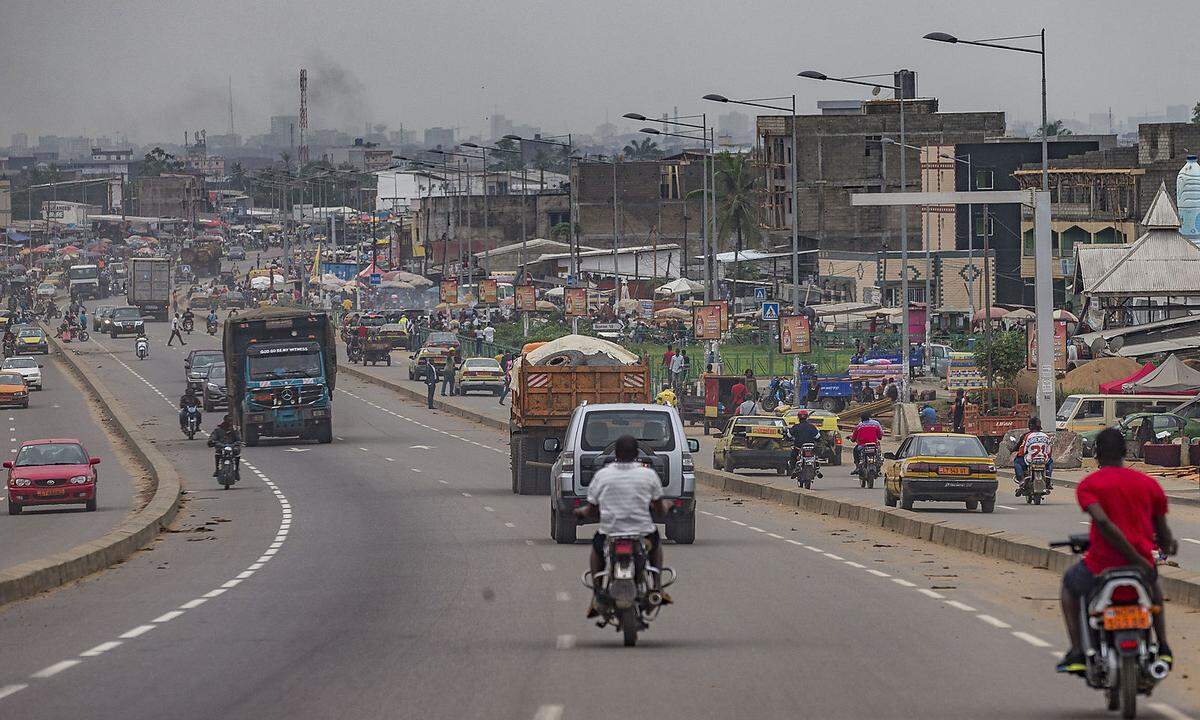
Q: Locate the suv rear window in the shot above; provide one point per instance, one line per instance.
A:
(603, 427)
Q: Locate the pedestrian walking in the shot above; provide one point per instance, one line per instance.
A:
(959, 411)
(448, 376)
(508, 363)
(478, 342)
(175, 332)
(676, 369)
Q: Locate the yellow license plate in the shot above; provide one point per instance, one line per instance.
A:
(52, 492)
(953, 470)
(766, 432)
(1126, 617)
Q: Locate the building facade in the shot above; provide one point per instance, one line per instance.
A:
(177, 196)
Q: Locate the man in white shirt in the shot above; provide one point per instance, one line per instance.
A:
(489, 334)
(623, 492)
(676, 369)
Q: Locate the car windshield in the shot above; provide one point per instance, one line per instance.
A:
(759, 422)
(442, 338)
(602, 428)
(217, 372)
(30, 332)
(20, 362)
(51, 454)
(11, 379)
(275, 367)
(949, 446)
(203, 360)
(477, 364)
(126, 313)
(1067, 409)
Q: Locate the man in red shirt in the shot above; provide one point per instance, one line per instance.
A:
(667, 356)
(867, 431)
(738, 393)
(1128, 510)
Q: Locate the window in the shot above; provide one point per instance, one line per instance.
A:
(652, 429)
(669, 182)
(1091, 409)
(558, 217)
(983, 180)
(980, 226)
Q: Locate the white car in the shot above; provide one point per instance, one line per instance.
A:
(27, 368)
(46, 290)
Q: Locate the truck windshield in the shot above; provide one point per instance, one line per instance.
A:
(651, 428)
(276, 367)
(83, 272)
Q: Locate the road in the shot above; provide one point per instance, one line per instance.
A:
(393, 574)
(62, 410)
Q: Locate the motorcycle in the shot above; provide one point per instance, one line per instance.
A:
(212, 327)
(191, 421)
(870, 465)
(1033, 484)
(1119, 644)
(806, 466)
(627, 595)
(229, 467)
(188, 324)
(141, 347)
(354, 352)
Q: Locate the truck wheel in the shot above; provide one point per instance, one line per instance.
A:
(514, 455)
(682, 531)
(325, 432)
(250, 435)
(562, 528)
(829, 404)
(532, 480)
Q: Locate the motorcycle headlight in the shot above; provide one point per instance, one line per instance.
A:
(214, 387)
(22, 482)
(79, 479)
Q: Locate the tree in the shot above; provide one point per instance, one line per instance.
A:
(506, 160)
(645, 149)
(159, 161)
(1054, 128)
(237, 176)
(1006, 353)
(286, 158)
(1196, 113)
(737, 203)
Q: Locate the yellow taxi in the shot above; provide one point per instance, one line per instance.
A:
(940, 466)
(753, 441)
(13, 390)
(827, 423)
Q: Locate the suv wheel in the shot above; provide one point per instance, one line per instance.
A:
(683, 530)
(563, 528)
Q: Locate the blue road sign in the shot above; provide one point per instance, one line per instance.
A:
(376, 278)
(770, 311)
(760, 294)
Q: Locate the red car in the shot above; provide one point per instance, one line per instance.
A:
(51, 472)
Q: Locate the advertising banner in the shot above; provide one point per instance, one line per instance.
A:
(1060, 345)
(706, 322)
(487, 292)
(526, 298)
(449, 294)
(793, 335)
(576, 302)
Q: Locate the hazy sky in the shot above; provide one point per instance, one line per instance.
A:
(153, 68)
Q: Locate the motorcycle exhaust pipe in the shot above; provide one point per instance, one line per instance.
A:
(654, 597)
(1158, 670)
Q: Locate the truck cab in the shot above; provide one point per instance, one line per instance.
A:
(286, 393)
(587, 446)
(84, 281)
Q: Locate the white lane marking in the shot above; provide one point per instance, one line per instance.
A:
(1084, 522)
(853, 564)
(755, 529)
(1161, 708)
(794, 542)
(55, 669)
(878, 573)
(564, 642)
(191, 604)
(548, 567)
(705, 512)
(1192, 540)
(231, 583)
(960, 606)
(720, 517)
(562, 596)
(831, 556)
(13, 689)
(391, 460)
(244, 574)
(509, 525)
(101, 648)
(466, 495)
(931, 593)
(738, 522)
(549, 712)
(774, 535)
(814, 549)
(364, 449)
(489, 509)
(902, 582)
(1033, 640)
(1006, 507)
(213, 593)
(994, 622)
(167, 616)
(136, 632)
(444, 482)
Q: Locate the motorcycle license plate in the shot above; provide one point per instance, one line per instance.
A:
(953, 470)
(52, 492)
(1126, 617)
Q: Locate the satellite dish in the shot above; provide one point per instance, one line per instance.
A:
(1098, 346)
(875, 91)
(1116, 344)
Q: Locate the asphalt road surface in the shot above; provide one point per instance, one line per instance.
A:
(393, 574)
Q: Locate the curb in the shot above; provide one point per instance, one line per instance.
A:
(30, 578)
(420, 397)
(1181, 586)
(1172, 497)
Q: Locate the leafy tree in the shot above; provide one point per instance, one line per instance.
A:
(159, 161)
(737, 186)
(237, 176)
(286, 158)
(506, 160)
(1196, 113)
(1006, 351)
(1054, 128)
(644, 149)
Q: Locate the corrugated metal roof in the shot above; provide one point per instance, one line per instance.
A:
(1161, 213)
(1161, 262)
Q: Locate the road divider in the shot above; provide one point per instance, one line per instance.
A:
(135, 532)
(418, 396)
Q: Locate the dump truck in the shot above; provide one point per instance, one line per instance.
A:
(203, 255)
(150, 286)
(543, 400)
(280, 373)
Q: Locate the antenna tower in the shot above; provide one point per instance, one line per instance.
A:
(303, 159)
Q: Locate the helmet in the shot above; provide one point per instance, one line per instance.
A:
(802, 414)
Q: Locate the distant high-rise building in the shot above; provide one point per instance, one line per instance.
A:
(439, 137)
(734, 125)
(283, 130)
(501, 126)
(1179, 113)
(20, 141)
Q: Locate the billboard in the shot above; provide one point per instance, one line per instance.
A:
(526, 297)
(449, 291)
(1060, 345)
(487, 292)
(576, 302)
(706, 322)
(793, 335)
(342, 271)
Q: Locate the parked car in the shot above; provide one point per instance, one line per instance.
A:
(214, 395)
(753, 441)
(31, 340)
(480, 374)
(99, 316)
(125, 321)
(27, 368)
(235, 252)
(13, 390)
(51, 472)
(1133, 427)
(943, 467)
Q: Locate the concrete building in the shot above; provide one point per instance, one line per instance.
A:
(363, 155)
(62, 213)
(5, 203)
(439, 137)
(283, 130)
(171, 196)
(451, 227)
(20, 142)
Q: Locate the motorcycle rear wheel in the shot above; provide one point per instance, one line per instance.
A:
(630, 624)
(1129, 686)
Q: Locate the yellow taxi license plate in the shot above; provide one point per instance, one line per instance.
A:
(1126, 617)
(953, 470)
(766, 432)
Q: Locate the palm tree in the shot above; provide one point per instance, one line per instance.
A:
(1054, 129)
(737, 203)
(237, 176)
(286, 158)
(646, 149)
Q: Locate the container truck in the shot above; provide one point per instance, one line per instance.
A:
(149, 287)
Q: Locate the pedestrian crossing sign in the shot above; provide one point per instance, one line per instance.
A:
(770, 311)
(760, 294)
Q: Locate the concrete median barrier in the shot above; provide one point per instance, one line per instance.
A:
(419, 396)
(135, 532)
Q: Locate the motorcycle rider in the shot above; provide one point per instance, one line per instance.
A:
(142, 342)
(224, 434)
(189, 319)
(188, 399)
(867, 431)
(624, 493)
(803, 433)
(1128, 513)
(1033, 443)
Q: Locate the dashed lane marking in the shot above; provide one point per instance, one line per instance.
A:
(11, 690)
(55, 669)
(1033, 640)
(959, 606)
(1192, 540)
(549, 712)
(564, 642)
(903, 583)
(994, 622)
(548, 567)
(101, 648)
